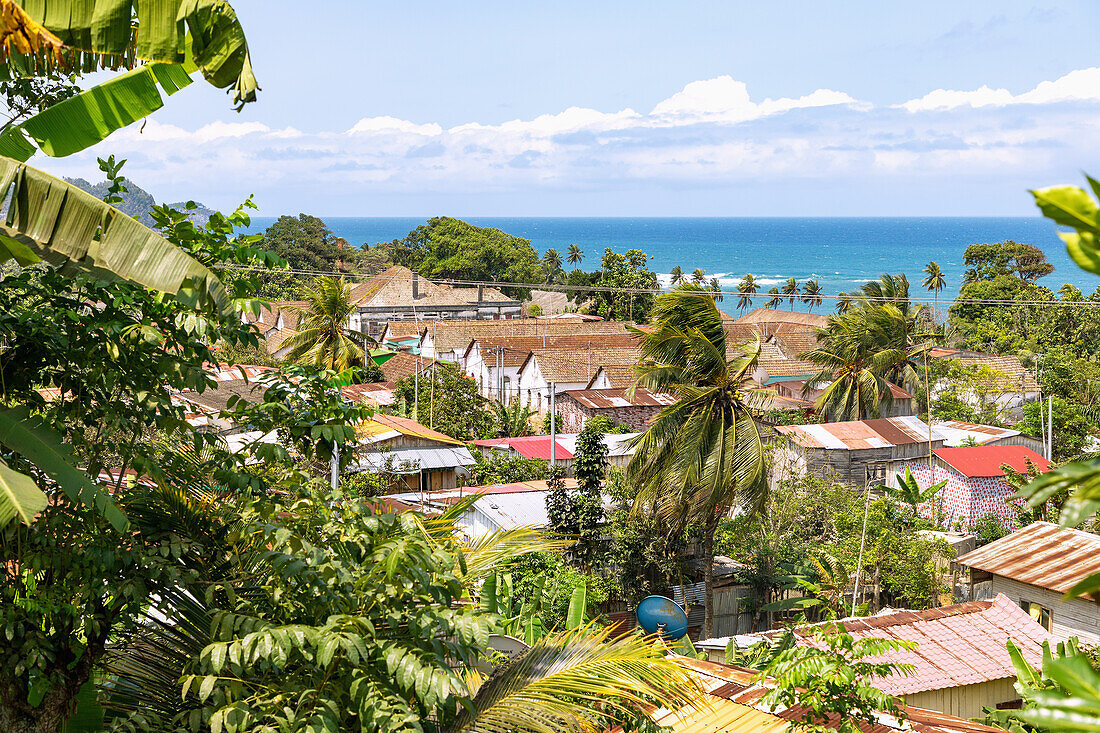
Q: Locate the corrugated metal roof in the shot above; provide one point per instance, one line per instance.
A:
(531, 446)
(954, 432)
(414, 460)
(975, 461)
(860, 434)
(1040, 554)
(380, 424)
(957, 645)
(733, 705)
(598, 399)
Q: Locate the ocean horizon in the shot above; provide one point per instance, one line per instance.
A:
(841, 253)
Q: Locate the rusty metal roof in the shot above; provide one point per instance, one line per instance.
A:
(732, 704)
(860, 434)
(962, 644)
(1041, 554)
(600, 399)
(955, 432)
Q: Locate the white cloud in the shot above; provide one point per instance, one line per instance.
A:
(1082, 84)
(695, 139)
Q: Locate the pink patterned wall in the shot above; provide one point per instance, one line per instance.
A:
(967, 500)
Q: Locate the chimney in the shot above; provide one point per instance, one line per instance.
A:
(480, 292)
(416, 286)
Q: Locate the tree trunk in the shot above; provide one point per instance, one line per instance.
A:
(708, 580)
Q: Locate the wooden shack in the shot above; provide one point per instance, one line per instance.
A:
(860, 452)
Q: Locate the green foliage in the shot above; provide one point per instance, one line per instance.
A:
(832, 680)
(451, 248)
(534, 310)
(504, 467)
(990, 261)
(989, 528)
(589, 466)
(303, 241)
(1034, 685)
(371, 373)
(1072, 428)
(513, 421)
(1065, 375)
(449, 402)
(322, 338)
(910, 492)
(629, 271)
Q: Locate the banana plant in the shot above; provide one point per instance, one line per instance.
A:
(910, 492)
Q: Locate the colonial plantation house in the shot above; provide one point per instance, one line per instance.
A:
(976, 487)
(734, 705)
(1035, 566)
(577, 406)
(494, 362)
(960, 663)
(448, 340)
(862, 452)
(564, 369)
(426, 459)
(401, 294)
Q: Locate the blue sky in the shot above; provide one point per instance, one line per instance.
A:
(636, 108)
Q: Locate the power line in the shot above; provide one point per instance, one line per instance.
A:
(855, 299)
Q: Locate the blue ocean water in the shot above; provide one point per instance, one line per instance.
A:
(841, 253)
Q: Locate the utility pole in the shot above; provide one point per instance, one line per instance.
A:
(334, 468)
(1050, 426)
(553, 427)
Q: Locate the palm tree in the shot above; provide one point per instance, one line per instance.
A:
(699, 276)
(934, 281)
(323, 338)
(843, 303)
(716, 288)
(747, 288)
(677, 275)
(702, 454)
(887, 289)
(811, 294)
(852, 367)
(576, 254)
(790, 289)
(775, 300)
(552, 262)
(910, 492)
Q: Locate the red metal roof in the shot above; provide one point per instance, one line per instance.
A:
(1040, 554)
(974, 461)
(532, 446)
(957, 645)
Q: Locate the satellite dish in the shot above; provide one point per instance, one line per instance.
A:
(660, 615)
(507, 648)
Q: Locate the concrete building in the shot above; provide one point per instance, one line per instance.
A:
(1035, 566)
(565, 369)
(577, 406)
(960, 663)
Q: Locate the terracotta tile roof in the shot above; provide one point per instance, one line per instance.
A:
(962, 644)
(1040, 554)
(571, 365)
(734, 705)
(600, 399)
(394, 287)
(403, 364)
(985, 460)
(770, 315)
(619, 376)
(374, 393)
(516, 348)
(860, 434)
(450, 335)
(1004, 363)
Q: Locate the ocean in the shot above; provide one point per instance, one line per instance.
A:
(841, 253)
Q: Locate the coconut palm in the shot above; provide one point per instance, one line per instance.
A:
(790, 289)
(811, 294)
(746, 288)
(677, 275)
(887, 289)
(702, 454)
(552, 261)
(775, 300)
(322, 337)
(716, 288)
(852, 367)
(576, 254)
(843, 303)
(699, 276)
(934, 281)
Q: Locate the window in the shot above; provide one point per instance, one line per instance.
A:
(1041, 614)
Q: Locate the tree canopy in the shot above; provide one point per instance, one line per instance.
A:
(305, 242)
(988, 261)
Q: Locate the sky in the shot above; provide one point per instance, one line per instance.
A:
(635, 108)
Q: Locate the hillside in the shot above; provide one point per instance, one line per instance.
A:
(137, 201)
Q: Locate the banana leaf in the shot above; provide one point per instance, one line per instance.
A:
(19, 496)
(57, 222)
(202, 34)
(27, 436)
